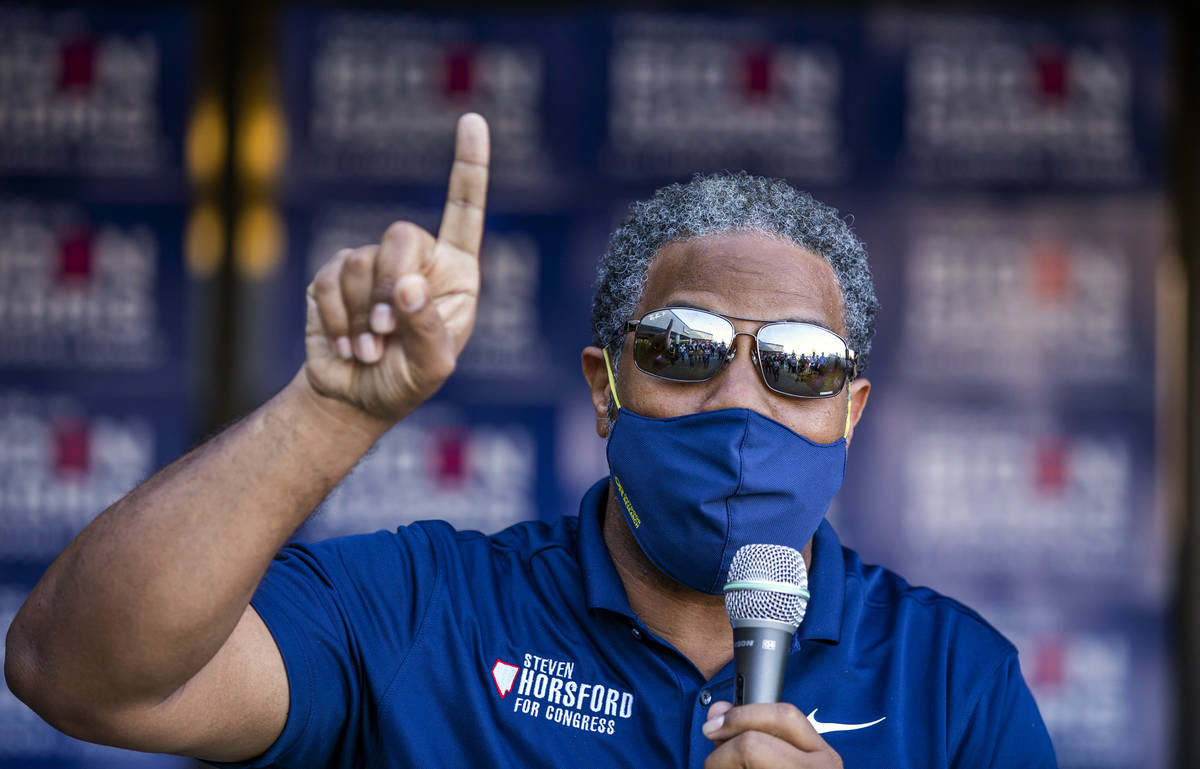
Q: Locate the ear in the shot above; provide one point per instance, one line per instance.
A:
(596, 374)
(859, 390)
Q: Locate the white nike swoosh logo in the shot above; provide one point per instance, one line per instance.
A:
(823, 728)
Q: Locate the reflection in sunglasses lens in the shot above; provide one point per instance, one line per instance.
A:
(800, 359)
(687, 345)
(691, 346)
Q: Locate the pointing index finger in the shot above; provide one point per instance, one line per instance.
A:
(462, 220)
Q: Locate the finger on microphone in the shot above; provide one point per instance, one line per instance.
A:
(778, 719)
(716, 717)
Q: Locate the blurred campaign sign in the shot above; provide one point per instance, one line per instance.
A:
(373, 96)
(1091, 676)
(91, 288)
(1014, 443)
(478, 468)
(94, 94)
(1070, 99)
(763, 93)
(64, 457)
(1025, 300)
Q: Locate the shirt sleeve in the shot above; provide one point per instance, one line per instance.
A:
(1005, 727)
(343, 614)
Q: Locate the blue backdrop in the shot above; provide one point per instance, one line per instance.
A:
(1005, 170)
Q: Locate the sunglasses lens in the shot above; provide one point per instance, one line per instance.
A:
(804, 360)
(681, 344)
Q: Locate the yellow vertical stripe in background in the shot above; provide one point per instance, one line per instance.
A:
(259, 240)
(206, 143)
(261, 143)
(204, 241)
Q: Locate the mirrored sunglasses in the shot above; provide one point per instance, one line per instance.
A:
(801, 360)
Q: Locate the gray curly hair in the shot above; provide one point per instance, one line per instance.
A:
(730, 202)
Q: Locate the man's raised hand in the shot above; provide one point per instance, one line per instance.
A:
(387, 322)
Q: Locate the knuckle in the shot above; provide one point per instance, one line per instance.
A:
(325, 283)
(359, 262)
(747, 744)
(401, 232)
(785, 712)
(759, 743)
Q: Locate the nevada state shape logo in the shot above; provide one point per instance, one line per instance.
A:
(504, 675)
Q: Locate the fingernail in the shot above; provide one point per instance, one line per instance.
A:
(342, 343)
(367, 351)
(411, 293)
(382, 321)
(712, 725)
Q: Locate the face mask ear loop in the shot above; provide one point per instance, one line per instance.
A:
(845, 432)
(612, 386)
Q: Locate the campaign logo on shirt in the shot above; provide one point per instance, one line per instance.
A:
(548, 689)
(504, 674)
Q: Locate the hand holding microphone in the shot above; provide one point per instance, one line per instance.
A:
(766, 597)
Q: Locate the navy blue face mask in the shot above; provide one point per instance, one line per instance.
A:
(696, 488)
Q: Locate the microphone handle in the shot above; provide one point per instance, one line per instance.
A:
(760, 652)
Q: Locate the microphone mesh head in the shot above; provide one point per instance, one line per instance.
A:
(769, 563)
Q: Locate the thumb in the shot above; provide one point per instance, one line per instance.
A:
(426, 342)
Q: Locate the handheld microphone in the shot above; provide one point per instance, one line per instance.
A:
(766, 597)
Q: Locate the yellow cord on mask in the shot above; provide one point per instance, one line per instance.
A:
(612, 383)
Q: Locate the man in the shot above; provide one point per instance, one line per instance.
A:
(600, 640)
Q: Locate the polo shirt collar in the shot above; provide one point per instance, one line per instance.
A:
(827, 584)
(601, 583)
(604, 589)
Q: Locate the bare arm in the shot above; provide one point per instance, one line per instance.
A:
(140, 633)
(149, 592)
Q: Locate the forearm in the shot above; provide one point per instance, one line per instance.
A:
(150, 590)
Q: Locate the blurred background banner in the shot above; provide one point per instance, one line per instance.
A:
(171, 178)
(94, 343)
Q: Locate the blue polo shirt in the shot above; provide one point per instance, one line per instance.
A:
(433, 647)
